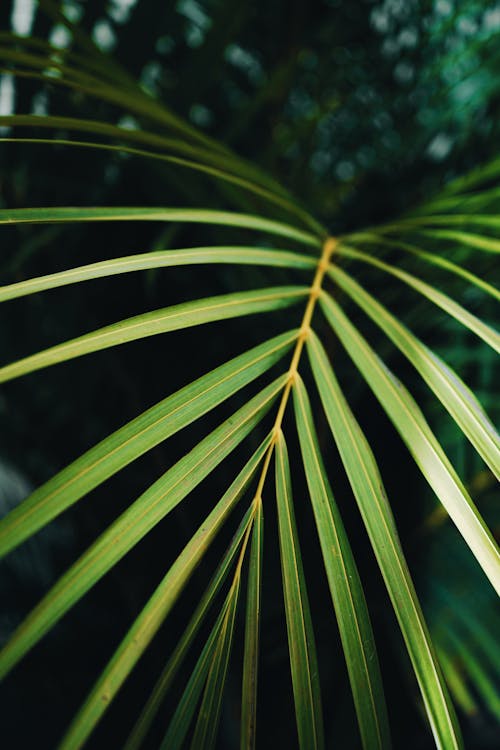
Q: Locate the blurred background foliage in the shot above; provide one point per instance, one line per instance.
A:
(362, 110)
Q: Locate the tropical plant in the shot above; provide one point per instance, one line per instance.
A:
(323, 279)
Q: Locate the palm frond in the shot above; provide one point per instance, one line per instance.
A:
(460, 219)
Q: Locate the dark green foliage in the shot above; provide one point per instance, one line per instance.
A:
(366, 113)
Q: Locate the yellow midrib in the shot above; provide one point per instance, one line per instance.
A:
(329, 247)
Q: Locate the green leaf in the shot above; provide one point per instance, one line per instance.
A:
(412, 222)
(345, 586)
(252, 633)
(160, 604)
(475, 618)
(301, 643)
(132, 525)
(91, 65)
(217, 158)
(484, 684)
(174, 663)
(433, 258)
(185, 315)
(457, 684)
(125, 92)
(135, 438)
(368, 489)
(420, 440)
(474, 177)
(160, 259)
(477, 241)
(69, 214)
(130, 98)
(183, 715)
(51, 65)
(459, 401)
(97, 59)
(219, 174)
(469, 202)
(205, 731)
(466, 318)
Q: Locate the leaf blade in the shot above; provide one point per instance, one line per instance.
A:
(137, 437)
(65, 214)
(179, 725)
(159, 605)
(466, 318)
(302, 648)
(252, 634)
(271, 197)
(216, 157)
(134, 523)
(185, 315)
(455, 396)
(148, 714)
(368, 489)
(420, 440)
(477, 241)
(433, 258)
(345, 587)
(409, 222)
(205, 731)
(159, 259)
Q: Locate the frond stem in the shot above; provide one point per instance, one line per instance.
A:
(329, 247)
(255, 503)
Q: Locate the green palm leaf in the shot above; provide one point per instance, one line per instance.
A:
(303, 659)
(466, 318)
(444, 383)
(248, 731)
(180, 161)
(214, 157)
(432, 258)
(458, 689)
(174, 154)
(63, 214)
(345, 586)
(131, 98)
(173, 318)
(421, 442)
(179, 726)
(147, 511)
(368, 489)
(205, 731)
(135, 438)
(155, 611)
(159, 259)
(175, 661)
(477, 241)
(410, 222)
(479, 677)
